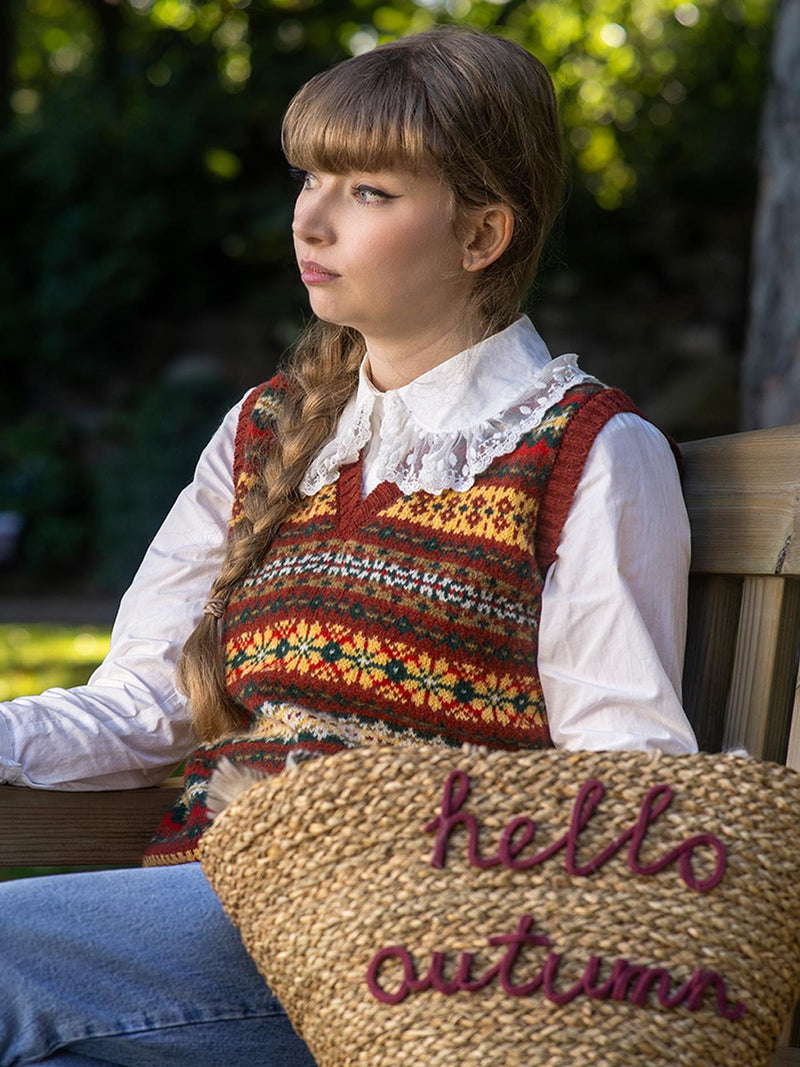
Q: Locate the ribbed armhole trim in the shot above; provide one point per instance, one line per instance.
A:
(578, 438)
(245, 415)
(279, 383)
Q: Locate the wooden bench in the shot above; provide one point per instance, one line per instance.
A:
(743, 496)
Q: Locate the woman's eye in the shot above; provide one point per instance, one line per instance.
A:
(368, 194)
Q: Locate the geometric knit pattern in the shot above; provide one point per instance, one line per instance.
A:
(399, 619)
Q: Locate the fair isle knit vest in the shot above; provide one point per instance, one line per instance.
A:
(395, 619)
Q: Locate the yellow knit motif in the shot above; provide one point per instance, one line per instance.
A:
(490, 512)
(322, 505)
(339, 658)
(266, 407)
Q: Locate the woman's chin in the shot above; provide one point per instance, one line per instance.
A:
(327, 313)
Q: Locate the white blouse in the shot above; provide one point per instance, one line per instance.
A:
(613, 607)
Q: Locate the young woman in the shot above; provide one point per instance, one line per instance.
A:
(425, 531)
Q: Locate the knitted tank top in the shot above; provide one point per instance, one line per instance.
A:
(398, 619)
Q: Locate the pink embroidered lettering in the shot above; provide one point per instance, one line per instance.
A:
(521, 832)
(627, 982)
(455, 792)
(513, 972)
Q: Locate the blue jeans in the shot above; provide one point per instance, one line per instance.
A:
(133, 967)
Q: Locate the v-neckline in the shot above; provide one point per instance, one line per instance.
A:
(354, 511)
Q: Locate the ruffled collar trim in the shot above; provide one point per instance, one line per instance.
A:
(444, 428)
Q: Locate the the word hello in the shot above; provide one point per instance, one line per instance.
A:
(521, 831)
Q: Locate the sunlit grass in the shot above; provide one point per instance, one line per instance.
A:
(37, 656)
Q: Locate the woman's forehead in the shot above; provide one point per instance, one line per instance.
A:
(340, 127)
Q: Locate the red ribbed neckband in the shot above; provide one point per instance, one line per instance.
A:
(353, 512)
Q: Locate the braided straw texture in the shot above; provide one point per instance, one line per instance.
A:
(327, 864)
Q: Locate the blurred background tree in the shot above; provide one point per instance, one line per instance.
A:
(147, 276)
(771, 366)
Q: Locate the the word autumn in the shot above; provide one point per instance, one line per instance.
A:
(626, 981)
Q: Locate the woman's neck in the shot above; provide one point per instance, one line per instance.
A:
(393, 364)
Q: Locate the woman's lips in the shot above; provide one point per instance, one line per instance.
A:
(312, 273)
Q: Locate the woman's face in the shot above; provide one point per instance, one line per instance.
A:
(378, 252)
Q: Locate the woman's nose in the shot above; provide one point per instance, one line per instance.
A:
(312, 222)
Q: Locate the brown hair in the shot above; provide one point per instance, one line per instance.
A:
(474, 109)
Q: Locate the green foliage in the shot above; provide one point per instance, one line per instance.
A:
(161, 434)
(130, 173)
(635, 74)
(38, 656)
(40, 479)
(626, 69)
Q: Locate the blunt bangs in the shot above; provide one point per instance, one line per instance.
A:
(361, 115)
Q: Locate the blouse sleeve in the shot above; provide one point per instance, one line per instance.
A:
(613, 619)
(128, 726)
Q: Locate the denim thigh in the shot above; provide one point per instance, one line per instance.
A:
(134, 967)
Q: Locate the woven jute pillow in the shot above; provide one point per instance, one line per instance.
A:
(430, 907)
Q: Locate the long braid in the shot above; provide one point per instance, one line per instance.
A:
(323, 375)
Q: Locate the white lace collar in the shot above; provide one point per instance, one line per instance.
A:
(444, 428)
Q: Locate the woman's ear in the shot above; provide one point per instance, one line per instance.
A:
(489, 235)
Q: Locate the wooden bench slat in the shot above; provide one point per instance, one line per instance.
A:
(42, 828)
(765, 668)
(714, 608)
